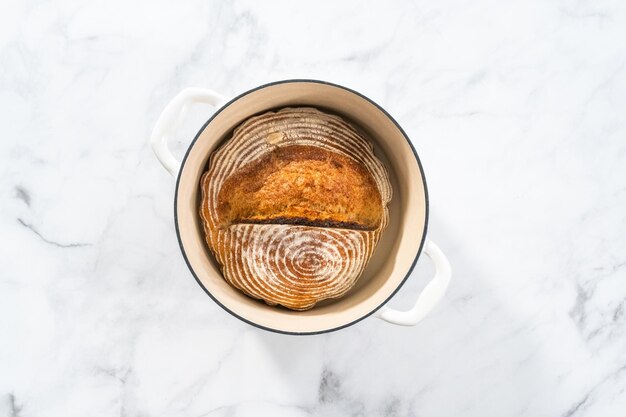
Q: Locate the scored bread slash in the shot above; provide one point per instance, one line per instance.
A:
(275, 137)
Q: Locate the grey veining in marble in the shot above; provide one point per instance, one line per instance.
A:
(517, 110)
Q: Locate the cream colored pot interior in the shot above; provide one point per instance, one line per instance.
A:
(396, 251)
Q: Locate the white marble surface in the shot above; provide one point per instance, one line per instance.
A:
(517, 109)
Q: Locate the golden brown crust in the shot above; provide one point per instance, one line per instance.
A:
(296, 247)
(301, 185)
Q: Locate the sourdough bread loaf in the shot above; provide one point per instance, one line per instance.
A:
(293, 206)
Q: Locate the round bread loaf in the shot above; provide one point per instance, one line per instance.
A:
(293, 205)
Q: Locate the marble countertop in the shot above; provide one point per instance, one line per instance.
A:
(517, 110)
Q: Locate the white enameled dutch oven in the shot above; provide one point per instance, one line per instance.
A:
(400, 245)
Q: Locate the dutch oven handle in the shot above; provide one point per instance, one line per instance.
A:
(171, 116)
(430, 295)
